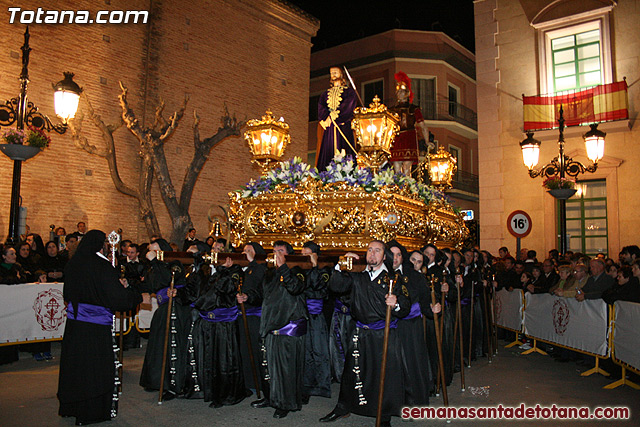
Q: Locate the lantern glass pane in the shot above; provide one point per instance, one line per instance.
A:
(530, 155)
(66, 104)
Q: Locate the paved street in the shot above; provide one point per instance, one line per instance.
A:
(27, 396)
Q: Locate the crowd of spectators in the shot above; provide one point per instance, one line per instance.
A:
(572, 275)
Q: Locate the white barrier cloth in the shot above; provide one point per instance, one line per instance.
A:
(508, 306)
(145, 314)
(30, 312)
(566, 321)
(626, 334)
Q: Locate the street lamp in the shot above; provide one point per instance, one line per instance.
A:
(20, 111)
(563, 165)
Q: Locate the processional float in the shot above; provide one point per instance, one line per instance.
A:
(351, 203)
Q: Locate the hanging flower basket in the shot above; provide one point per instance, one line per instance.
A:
(23, 145)
(562, 193)
(19, 152)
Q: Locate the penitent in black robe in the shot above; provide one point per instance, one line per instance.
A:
(440, 275)
(215, 340)
(317, 365)
(411, 333)
(252, 286)
(158, 277)
(368, 306)
(340, 332)
(283, 302)
(86, 388)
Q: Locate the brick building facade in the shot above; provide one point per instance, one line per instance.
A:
(247, 55)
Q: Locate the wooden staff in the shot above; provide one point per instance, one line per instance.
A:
(121, 341)
(487, 325)
(166, 336)
(442, 299)
(121, 351)
(383, 366)
(441, 378)
(471, 323)
(494, 329)
(459, 327)
(254, 372)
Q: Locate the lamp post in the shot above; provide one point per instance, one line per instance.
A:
(21, 111)
(563, 165)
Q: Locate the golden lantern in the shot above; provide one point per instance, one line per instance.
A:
(267, 139)
(375, 129)
(442, 166)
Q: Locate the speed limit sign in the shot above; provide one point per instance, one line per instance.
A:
(519, 224)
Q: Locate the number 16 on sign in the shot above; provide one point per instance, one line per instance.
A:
(519, 225)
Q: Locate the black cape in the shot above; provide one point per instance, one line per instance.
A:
(216, 344)
(87, 366)
(368, 306)
(158, 277)
(283, 302)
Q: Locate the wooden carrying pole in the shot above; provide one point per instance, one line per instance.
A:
(301, 261)
(166, 338)
(441, 377)
(383, 365)
(252, 361)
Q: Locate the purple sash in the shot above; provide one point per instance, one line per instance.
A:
(315, 305)
(377, 325)
(465, 301)
(295, 328)
(341, 308)
(254, 311)
(220, 314)
(91, 313)
(415, 311)
(162, 295)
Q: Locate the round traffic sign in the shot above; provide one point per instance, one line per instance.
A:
(519, 224)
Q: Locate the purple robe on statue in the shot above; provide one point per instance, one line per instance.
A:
(343, 100)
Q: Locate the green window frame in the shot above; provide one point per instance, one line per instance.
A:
(576, 60)
(587, 223)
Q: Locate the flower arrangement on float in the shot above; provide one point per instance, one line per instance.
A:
(289, 175)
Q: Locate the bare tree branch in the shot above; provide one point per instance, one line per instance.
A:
(108, 152)
(230, 127)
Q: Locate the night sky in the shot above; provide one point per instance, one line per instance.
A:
(347, 20)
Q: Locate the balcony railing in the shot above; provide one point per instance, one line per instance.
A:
(445, 110)
(465, 181)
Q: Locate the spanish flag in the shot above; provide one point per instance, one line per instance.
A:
(603, 103)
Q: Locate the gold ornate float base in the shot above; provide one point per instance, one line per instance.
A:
(340, 217)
